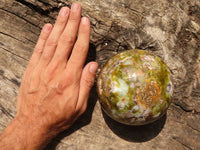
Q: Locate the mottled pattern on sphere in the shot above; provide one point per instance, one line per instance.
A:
(134, 87)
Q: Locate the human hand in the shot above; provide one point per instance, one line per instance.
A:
(56, 85)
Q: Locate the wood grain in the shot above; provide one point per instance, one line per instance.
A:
(168, 28)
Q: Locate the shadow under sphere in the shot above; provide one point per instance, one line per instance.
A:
(130, 133)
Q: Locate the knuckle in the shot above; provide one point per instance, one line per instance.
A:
(38, 50)
(70, 78)
(81, 47)
(49, 73)
(88, 82)
(46, 56)
(51, 42)
(60, 22)
(57, 57)
(66, 39)
(74, 18)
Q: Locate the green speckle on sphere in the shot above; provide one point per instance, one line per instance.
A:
(134, 87)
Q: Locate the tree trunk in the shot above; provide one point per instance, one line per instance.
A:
(168, 28)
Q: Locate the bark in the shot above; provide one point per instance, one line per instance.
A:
(168, 28)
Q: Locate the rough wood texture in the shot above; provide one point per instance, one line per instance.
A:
(168, 28)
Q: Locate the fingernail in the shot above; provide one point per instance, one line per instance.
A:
(64, 11)
(84, 20)
(75, 7)
(47, 27)
(93, 68)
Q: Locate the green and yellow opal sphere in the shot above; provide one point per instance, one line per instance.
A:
(135, 87)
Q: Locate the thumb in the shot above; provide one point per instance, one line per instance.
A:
(86, 83)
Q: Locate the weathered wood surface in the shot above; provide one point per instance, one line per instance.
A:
(168, 28)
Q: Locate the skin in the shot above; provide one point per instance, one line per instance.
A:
(56, 84)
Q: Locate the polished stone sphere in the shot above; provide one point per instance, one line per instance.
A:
(134, 87)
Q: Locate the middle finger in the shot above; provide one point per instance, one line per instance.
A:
(67, 39)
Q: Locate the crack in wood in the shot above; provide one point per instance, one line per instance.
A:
(14, 81)
(31, 41)
(7, 113)
(38, 9)
(45, 3)
(35, 8)
(193, 128)
(26, 20)
(183, 108)
(133, 10)
(1, 43)
(13, 53)
(1, 72)
(185, 145)
(187, 125)
(11, 37)
(2, 125)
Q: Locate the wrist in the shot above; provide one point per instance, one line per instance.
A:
(36, 134)
(25, 134)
